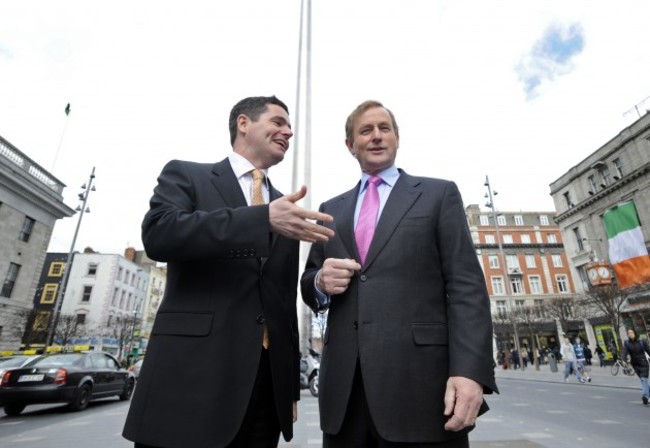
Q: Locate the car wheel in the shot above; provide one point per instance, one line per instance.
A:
(128, 390)
(14, 409)
(82, 398)
(313, 386)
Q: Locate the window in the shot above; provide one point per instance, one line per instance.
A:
(501, 220)
(516, 285)
(81, 319)
(519, 220)
(567, 199)
(557, 260)
(512, 261)
(592, 184)
(539, 307)
(489, 239)
(519, 303)
(494, 261)
(497, 285)
(122, 299)
(119, 273)
(543, 220)
(562, 283)
(10, 280)
(114, 300)
(525, 238)
(552, 239)
(618, 167)
(530, 261)
(485, 220)
(26, 231)
(85, 297)
(41, 321)
(604, 174)
(56, 269)
(507, 239)
(576, 233)
(110, 320)
(49, 293)
(502, 309)
(92, 269)
(535, 284)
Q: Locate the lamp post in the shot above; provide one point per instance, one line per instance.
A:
(490, 204)
(83, 208)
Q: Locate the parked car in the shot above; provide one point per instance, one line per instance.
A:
(13, 361)
(135, 368)
(73, 378)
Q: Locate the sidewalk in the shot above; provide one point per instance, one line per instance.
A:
(599, 376)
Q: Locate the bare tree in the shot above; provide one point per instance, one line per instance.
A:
(124, 330)
(563, 309)
(68, 328)
(609, 300)
(527, 317)
(18, 323)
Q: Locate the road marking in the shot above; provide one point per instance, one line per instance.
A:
(607, 422)
(19, 422)
(78, 423)
(28, 439)
(521, 404)
(557, 412)
(598, 397)
(537, 435)
(567, 393)
(314, 442)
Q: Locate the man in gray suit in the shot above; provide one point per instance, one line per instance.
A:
(407, 350)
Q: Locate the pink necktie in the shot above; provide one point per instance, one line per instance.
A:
(367, 220)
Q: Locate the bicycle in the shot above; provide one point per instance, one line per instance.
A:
(627, 368)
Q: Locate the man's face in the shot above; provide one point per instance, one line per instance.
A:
(267, 139)
(374, 140)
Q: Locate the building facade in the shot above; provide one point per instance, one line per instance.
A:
(617, 172)
(31, 201)
(526, 272)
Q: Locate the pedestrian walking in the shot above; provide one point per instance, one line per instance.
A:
(637, 350)
(601, 355)
(569, 359)
(579, 349)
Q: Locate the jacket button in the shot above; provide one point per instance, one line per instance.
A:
(355, 324)
(363, 277)
(260, 319)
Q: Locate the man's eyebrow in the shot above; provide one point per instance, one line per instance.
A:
(281, 119)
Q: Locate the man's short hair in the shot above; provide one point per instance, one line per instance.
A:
(361, 108)
(252, 107)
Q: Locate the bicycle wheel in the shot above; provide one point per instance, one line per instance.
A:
(615, 367)
(629, 371)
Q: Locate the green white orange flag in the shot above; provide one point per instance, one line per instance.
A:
(627, 250)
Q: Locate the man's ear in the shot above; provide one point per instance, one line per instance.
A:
(350, 145)
(242, 123)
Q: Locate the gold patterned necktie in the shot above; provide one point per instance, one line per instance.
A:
(257, 198)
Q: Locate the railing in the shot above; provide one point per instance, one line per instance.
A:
(12, 154)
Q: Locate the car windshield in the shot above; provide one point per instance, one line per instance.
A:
(65, 359)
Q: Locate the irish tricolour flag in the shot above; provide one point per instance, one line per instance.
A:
(627, 250)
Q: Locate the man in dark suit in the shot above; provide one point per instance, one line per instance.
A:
(407, 349)
(222, 364)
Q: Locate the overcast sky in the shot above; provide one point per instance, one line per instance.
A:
(517, 90)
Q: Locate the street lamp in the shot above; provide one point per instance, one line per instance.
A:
(490, 204)
(83, 208)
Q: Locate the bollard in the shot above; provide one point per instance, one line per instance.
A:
(552, 362)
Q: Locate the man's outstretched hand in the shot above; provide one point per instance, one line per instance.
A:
(290, 220)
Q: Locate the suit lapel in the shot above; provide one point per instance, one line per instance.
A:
(227, 185)
(402, 197)
(344, 220)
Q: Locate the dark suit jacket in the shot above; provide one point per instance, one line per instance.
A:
(417, 313)
(227, 275)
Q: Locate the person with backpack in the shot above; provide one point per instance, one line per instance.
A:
(636, 349)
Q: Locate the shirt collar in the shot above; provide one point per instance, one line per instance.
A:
(241, 166)
(389, 176)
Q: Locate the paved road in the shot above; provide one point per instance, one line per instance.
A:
(535, 409)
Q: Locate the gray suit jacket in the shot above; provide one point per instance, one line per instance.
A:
(417, 313)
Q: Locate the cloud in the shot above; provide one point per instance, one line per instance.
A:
(6, 53)
(551, 56)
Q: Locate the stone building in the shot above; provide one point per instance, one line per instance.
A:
(31, 200)
(617, 172)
